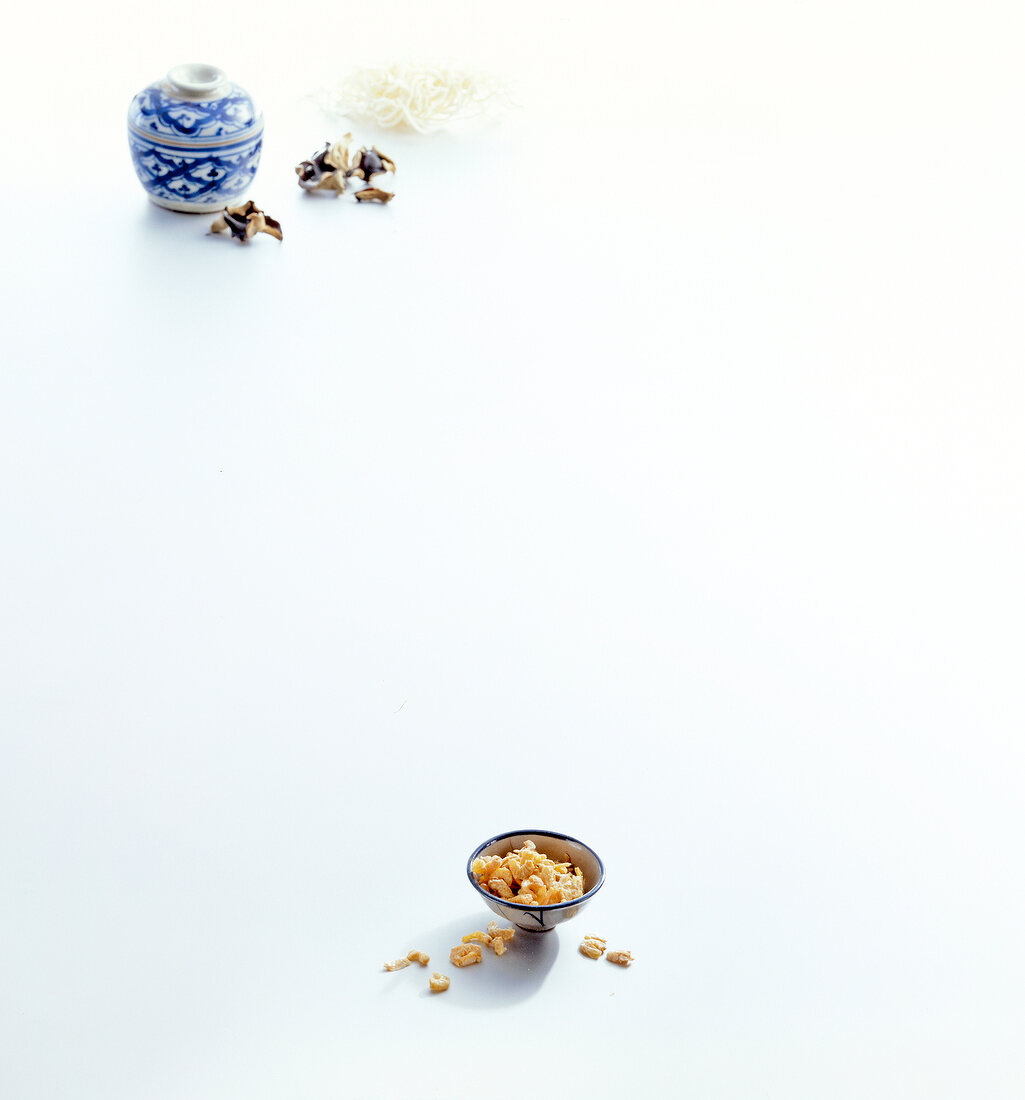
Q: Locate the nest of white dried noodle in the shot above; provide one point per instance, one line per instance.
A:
(414, 97)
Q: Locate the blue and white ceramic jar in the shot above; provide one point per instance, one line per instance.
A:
(195, 139)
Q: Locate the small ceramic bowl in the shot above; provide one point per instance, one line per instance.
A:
(195, 139)
(557, 846)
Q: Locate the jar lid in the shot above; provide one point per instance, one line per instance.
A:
(196, 81)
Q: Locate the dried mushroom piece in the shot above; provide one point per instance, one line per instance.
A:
(374, 194)
(327, 170)
(369, 163)
(245, 222)
(333, 167)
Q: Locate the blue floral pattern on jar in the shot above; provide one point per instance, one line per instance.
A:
(159, 113)
(182, 178)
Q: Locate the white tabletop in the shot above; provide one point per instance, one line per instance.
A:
(650, 470)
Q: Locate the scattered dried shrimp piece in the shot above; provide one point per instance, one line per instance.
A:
(477, 937)
(420, 957)
(497, 937)
(398, 964)
(465, 954)
(622, 958)
(438, 982)
(593, 947)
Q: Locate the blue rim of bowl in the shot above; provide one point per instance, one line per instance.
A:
(535, 832)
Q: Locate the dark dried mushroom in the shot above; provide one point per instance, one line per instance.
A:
(326, 170)
(246, 221)
(313, 170)
(332, 167)
(369, 163)
(374, 194)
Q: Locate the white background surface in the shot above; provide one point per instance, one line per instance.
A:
(650, 469)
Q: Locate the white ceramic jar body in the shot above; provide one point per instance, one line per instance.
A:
(195, 139)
